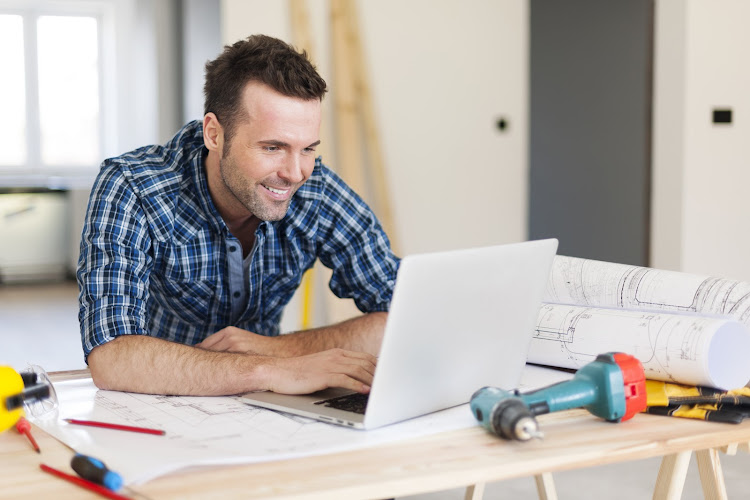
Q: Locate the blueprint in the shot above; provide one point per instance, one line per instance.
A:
(204, 431)
(209, 431)
(683, 328)
(604, 284)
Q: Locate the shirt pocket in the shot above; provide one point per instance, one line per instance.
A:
(191, 301)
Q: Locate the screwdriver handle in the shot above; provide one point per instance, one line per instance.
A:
(24, 427)
(94, 470)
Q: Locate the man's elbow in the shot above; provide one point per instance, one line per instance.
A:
(101, 366)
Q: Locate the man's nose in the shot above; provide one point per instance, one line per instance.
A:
(292, 171)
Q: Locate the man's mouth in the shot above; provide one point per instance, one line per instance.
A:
(277, 191)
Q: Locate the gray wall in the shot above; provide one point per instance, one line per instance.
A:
(590, 115)
(201, 42)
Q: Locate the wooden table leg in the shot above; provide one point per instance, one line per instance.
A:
(671, 478)
(474, 492)
(545, 486)
(712, 477)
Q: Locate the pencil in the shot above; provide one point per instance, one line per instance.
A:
(118, 427)
(83, 483)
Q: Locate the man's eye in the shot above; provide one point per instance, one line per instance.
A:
(309, 150)
(271, 148)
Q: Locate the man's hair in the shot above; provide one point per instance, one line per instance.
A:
(258, 58)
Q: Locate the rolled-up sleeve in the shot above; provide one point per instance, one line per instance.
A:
(114, 263)
(355, 246)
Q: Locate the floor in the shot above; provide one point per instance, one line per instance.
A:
(39, 325)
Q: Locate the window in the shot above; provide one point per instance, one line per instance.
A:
(12, 92)
(68, 68)
(51, 89)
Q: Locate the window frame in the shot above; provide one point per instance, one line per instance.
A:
(30, 10)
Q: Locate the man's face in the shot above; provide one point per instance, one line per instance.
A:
(272, 151)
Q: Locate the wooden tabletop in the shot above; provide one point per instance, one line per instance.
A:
(573, 439)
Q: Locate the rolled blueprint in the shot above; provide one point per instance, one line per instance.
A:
(587, 282)
(684, 328)
(680, 348)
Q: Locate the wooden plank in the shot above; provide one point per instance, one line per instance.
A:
(301, 33)
(375, 163)
(573, 439)
(348, 142)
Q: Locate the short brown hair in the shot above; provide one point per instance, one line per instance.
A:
(263, 59)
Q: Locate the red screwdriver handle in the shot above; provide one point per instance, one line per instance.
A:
(24, 427)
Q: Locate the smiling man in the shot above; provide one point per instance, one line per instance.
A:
(191, 250)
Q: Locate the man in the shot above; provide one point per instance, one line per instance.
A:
(191, 250)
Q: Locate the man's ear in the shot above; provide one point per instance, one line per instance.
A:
(213, 133)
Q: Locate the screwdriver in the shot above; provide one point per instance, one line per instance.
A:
(94, 470)
(24, 427)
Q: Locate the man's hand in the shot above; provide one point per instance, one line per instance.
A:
(299, 374)
(233, 339)
(362, 334)
(314, 372)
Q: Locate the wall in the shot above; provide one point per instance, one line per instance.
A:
(701, 169)
(590, 127)
(442, 75)
(201, 42)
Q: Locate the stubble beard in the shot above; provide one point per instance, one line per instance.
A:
(247, 193)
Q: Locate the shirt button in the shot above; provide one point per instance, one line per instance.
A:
(236, 295)
(233, 248)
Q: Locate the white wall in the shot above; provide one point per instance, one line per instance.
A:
(442, 73)
(701, 170)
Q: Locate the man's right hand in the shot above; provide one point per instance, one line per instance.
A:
(313, 372)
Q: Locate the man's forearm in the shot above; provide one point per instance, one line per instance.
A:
(363, 334)
(138, 363)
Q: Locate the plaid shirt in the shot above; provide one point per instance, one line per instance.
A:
(157, 258)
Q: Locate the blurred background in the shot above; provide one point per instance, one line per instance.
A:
(616, 126)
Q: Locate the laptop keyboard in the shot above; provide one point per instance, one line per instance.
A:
(355, 403)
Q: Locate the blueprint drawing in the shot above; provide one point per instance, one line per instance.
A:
(604, 284)
(683, 328)
(210, 430)
(222, 430)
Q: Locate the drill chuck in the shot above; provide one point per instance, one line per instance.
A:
(512, 419)
(505, 414)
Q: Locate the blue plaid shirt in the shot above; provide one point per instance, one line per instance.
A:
(157, 258)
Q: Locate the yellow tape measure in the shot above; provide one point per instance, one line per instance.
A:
(11, 384)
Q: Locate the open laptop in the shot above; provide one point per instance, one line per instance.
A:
(458, 321)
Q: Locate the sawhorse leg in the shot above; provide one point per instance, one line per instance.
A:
(545, 487)
(671, 476)
(474, 492)
(712, 477)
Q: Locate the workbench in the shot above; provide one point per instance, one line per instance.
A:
(465, 458)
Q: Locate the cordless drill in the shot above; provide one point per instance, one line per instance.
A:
(612, 387)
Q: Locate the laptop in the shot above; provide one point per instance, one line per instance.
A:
(458, 321)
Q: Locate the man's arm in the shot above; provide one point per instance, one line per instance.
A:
(362, 334)
(138, 363)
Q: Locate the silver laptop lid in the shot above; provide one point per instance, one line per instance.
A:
(458, 321)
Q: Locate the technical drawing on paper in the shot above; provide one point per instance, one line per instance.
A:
(671, 347)
(587, 282)
(209, 430)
